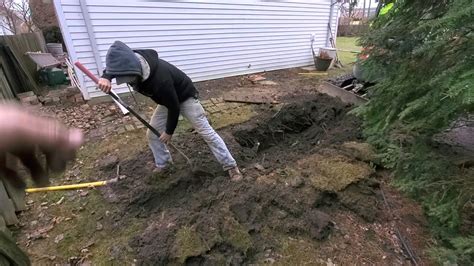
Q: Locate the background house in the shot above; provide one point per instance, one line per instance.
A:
(207, 39)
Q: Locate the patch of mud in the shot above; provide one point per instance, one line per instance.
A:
(210, 220)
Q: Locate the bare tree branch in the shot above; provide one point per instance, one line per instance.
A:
(17, 14)
(11, 18)
(23, 8)
(352, 6)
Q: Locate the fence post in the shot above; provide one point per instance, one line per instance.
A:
(7, 209)
(17, 196)
(41, 41)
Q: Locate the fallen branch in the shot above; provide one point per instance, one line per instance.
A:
(406, 247)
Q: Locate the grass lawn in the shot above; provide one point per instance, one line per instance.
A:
(347, 43)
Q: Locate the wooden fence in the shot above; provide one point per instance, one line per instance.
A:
(11, 80)
(352, 27)
(12, 199)
(352, 30)
(18, 73)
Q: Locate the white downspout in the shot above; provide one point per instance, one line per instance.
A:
(329, 26)
(90, 32)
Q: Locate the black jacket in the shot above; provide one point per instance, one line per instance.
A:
(166, 85)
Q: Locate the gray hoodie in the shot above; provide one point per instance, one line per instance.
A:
(121, 61)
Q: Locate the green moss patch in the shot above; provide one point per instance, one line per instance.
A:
(236, 235)
(333, 172)
(188, 243)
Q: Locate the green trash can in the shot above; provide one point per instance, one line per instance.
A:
(53, 76)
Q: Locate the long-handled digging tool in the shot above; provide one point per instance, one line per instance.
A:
(121, 102)
(72, 187)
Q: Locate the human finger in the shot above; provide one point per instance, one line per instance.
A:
(164, 139)
(32, 163)
(56, 160)
(20, 130)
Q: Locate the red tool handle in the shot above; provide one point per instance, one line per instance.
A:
(87, 72)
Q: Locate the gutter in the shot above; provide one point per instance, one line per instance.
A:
(329, 28)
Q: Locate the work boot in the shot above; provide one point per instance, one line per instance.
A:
(235, 174)
(155, 169)
(159, 170)
(162, 171)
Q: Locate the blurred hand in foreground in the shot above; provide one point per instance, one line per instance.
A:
(25, 135)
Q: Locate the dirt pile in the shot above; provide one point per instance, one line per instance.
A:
(209, 220)
(324, 119)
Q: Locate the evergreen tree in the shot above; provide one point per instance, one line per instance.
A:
(422, 55)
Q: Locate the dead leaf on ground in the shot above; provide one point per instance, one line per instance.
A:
(89, 244)
(40, 233)
(259, 167)
(58, 220)
(59, 238)
(59, 202)
(51, 258)
(256, 77)
(99, 226)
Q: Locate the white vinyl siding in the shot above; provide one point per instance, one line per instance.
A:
(206, 39)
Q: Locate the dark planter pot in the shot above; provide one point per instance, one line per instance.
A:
(322, 64)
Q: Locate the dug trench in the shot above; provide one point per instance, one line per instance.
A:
(301, 164)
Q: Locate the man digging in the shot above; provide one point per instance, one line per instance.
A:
(174, 92)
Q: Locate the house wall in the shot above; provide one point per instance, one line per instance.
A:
(207, 39)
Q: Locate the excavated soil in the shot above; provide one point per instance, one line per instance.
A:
(296, 174)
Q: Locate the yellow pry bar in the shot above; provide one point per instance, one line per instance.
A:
(68, 187)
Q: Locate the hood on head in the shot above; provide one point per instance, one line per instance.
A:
(121, 61)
